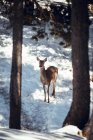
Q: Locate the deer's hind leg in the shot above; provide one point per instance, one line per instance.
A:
(53, 94)
(48, 92)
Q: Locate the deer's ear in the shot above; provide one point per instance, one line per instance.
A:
(45, 59)
(37, 59)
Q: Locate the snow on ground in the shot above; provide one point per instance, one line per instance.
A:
(64, 1)
(36, 114)
(32, 88)
(66, 133)
(42, 116)
(44, 3)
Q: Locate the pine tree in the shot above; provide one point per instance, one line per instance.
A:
(79, 111)
(16, 70)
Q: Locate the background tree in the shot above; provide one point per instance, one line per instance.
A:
(90, 134)
(79, 111)
(16, 71)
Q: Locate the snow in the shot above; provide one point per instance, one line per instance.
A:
(47, 2)
(36, 114)
(66, 133)
(64, 1)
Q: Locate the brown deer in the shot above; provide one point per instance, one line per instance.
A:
(47, 76)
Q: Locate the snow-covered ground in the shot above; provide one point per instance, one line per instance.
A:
(36, 114)
(42, 116)
(66, 133)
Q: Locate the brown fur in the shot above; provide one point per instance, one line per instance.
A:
(47, 76)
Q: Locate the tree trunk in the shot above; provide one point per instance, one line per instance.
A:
(16, 71)
(90, 134)
(79, 111)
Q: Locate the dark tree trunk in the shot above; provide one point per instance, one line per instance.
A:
(79, 111)
(16, 71)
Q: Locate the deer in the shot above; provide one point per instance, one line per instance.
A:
(47, 76)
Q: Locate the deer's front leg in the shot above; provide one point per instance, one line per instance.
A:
(48, 92)
(44, 93)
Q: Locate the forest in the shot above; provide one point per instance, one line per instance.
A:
(46, 66)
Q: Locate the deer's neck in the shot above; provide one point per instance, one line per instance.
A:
(43, 71)
(43, 75)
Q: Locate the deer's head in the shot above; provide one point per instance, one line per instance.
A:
(41, 62)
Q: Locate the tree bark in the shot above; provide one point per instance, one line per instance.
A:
(16, 70)
(79, 111)
(90, 134)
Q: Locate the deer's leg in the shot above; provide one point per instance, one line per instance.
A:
(53, 94)
(48, 92)
(44, 93)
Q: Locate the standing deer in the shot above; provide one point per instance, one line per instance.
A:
(47, 76)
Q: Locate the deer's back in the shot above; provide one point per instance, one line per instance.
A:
(51, 73)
